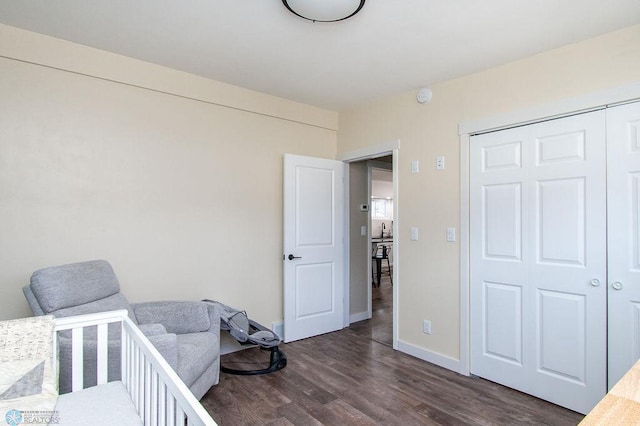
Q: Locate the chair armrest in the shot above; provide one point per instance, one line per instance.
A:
(214, 318)
(178, 317)
(167, 345)
(152, 329)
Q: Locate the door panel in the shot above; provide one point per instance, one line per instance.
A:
(313, 236)
(623, 174)
(314, 297)
(562, 335)
(560, 148)
(502, 308)
(498, 271)
(537, 199)
(315, 192)
(503, 225)
(561, 226)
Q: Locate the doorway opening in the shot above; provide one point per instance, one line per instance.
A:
(375, 257)
(381, 241)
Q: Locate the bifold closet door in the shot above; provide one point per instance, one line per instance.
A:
(538, 259)
(623, 174)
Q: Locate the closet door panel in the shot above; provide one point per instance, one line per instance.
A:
(623, 175)
(538, 258)
(568, 262)
(499, 280)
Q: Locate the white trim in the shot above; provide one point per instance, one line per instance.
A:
(360, 316)
(557, 109)
(369, 152)
(396, 246)
(347, 244)
(429, 356)
(368, 244)
(465, 355)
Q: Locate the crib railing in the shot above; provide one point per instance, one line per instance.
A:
(158, 394)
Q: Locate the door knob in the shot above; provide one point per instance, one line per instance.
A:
(595, 282)
(617, 285)
(291, 257)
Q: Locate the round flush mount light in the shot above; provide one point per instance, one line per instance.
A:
(324, 10)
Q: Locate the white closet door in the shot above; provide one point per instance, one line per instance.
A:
(538, 259)
(623, 173)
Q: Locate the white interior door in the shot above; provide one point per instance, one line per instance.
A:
(623, 172)
(314, 253)
(538, 259)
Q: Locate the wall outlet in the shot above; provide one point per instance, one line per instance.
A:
(440, 162)
(426, 327)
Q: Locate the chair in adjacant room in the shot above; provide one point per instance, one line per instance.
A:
(379, 253)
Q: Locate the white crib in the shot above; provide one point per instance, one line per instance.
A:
(148, 383)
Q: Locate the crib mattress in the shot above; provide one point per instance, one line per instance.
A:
(108, 404)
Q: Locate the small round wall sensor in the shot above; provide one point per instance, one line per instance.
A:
(424, 95)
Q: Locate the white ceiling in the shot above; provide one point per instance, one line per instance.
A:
(389, 47)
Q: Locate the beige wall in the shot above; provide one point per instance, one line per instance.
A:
(181, 191)
(429, 286)
(358, 244)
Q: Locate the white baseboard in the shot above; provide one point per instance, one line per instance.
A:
(361, 316)
(278, 328)
(429, 356)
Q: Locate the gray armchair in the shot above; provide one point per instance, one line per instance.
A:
(187, 334)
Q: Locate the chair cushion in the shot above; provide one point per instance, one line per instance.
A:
(178, 317)
(196, 352)
(109, 303)
(60, 287)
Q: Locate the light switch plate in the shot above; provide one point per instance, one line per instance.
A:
(415, 166)
(414, 234)
(451, 234)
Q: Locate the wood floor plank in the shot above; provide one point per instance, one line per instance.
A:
(340, 412)
(298, 415)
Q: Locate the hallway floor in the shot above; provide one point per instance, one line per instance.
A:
(380, 327)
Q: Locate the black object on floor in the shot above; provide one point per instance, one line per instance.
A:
(249, 332)
(277, 361)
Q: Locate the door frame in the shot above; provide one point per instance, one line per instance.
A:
(557, 109)
(369, 153)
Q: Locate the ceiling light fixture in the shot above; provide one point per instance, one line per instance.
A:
(324, 10)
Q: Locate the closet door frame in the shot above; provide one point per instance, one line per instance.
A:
(590, 102)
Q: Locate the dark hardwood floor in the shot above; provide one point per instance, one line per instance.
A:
(380, 326)
(354, 377)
